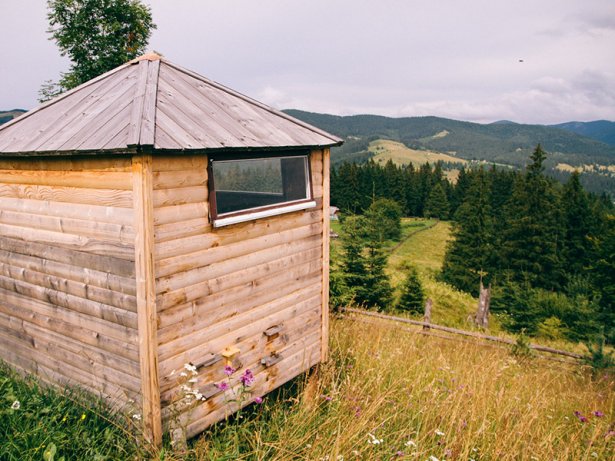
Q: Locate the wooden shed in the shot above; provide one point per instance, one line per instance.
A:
(152, 218)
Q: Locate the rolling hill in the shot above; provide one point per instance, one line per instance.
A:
(503, 143)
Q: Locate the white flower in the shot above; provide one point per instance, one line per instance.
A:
(433, 458)
(183, 374)
(374, 440)
(410, 443)
(191, 368)
(16, 405)
(136, 417)
(439, 433)
(340, 458)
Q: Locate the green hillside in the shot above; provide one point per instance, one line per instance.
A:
(8, 115)
(504, 143)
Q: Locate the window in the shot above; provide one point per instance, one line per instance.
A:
(246, 188)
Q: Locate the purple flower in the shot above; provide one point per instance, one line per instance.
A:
(223, 386)
(229, 370)
(399, 453)
(258, 400)
(247, 379)
(327, 397)
(580, 417)
(598, 414)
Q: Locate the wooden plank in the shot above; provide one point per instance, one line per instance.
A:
(89, 277)
(180, 196)
(70, 241)
(148, 119)
(187, 228)
(250, 274)
(242, 318)
(97, 311)
(68, 325)
(93, 164)
(119, 233)
(62, 285)
(99, 197)
(83, 179)
(326, 227)
(179, 163)
(146, 297)
(136, 113)
(182, 178)
(263, 287)
(234, 264)
(301, 328)
(207, 414)
(106, 214)
(42, 346)
(113, 266)
(179, 213)
(194, 252)
(60, 373)
(191, 317)
(258, 321)
(88, 352)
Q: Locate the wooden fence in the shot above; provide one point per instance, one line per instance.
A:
(429, 325)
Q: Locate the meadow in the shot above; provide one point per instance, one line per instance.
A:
(388, 392)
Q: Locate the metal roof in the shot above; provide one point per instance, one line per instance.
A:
(151, 103)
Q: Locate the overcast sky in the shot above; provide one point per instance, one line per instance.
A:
(451, 58)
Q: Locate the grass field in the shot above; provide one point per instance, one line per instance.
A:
(387, 393)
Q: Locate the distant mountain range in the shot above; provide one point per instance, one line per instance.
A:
(499, 142)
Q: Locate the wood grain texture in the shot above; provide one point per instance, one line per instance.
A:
(326, 228)
(146, 297)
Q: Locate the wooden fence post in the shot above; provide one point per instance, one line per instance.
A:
(482, 312)
(427, 318)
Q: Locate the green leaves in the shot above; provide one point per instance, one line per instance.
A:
(97, 36)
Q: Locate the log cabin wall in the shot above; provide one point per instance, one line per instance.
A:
(255, 286)
(68, 309)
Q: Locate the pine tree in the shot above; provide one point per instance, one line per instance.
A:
(531, 240)
(578, 225)
(436, 205)
(412, 295)
(469, 257)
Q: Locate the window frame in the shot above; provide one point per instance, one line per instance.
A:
(250, 214)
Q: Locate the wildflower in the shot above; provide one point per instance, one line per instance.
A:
(580, 417)
(410, 443)
(399, 453)
(258, 400)
(340, 458)
(327, 397)
(16, 405)
(598, 414)
(82, 416)
(610, 434)
(374, 440)
(136, 417)
(183, 374)
(439, 433)
(247, 379)
(448, 452)
(433, 458)
(223, 386)
(191, 368)
(355, 452)
(229, 370)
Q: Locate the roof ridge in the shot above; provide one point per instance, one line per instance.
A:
(143, 113)
(252, 101)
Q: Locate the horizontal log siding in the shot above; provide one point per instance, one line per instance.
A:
(67, 287)
(224, 287)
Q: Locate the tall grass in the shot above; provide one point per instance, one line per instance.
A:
(391, 394)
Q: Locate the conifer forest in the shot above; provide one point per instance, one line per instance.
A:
(547, 249)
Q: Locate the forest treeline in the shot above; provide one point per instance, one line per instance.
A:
(546, 248)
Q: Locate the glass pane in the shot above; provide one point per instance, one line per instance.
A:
(253, 183)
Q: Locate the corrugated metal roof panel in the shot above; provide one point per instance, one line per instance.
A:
(152, 102)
